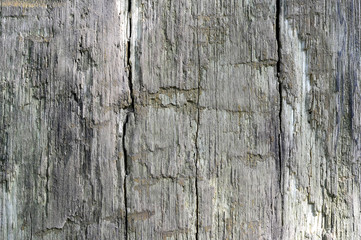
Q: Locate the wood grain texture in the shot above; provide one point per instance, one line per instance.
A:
(180, 119)
(64, 91)
(320, 118)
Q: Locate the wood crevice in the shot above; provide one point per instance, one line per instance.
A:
(279, 78)
(130, 109)
(197, 131)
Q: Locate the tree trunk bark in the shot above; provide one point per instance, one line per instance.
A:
(162, 119)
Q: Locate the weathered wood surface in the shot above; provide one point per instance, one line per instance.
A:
(180, 119)
(320, 75)
(64, 93)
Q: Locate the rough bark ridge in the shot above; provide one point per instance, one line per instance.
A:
(162, 119)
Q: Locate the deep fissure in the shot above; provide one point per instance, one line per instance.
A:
(278, 68)
(129, 63)
(130, 110)
(126, 170)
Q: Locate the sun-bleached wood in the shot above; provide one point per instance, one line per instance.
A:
(185, 119)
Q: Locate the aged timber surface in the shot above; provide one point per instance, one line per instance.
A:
(64, 94)
(160, 119)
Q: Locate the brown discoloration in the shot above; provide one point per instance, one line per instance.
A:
(31, 3)
(173, 233)
(140, 216)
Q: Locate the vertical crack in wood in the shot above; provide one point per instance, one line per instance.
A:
(129, 52)
(279, 69)
(131, 109)
(47, 184)
(31, 227)
(197, 130)
(196, 164)
(126, 171)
